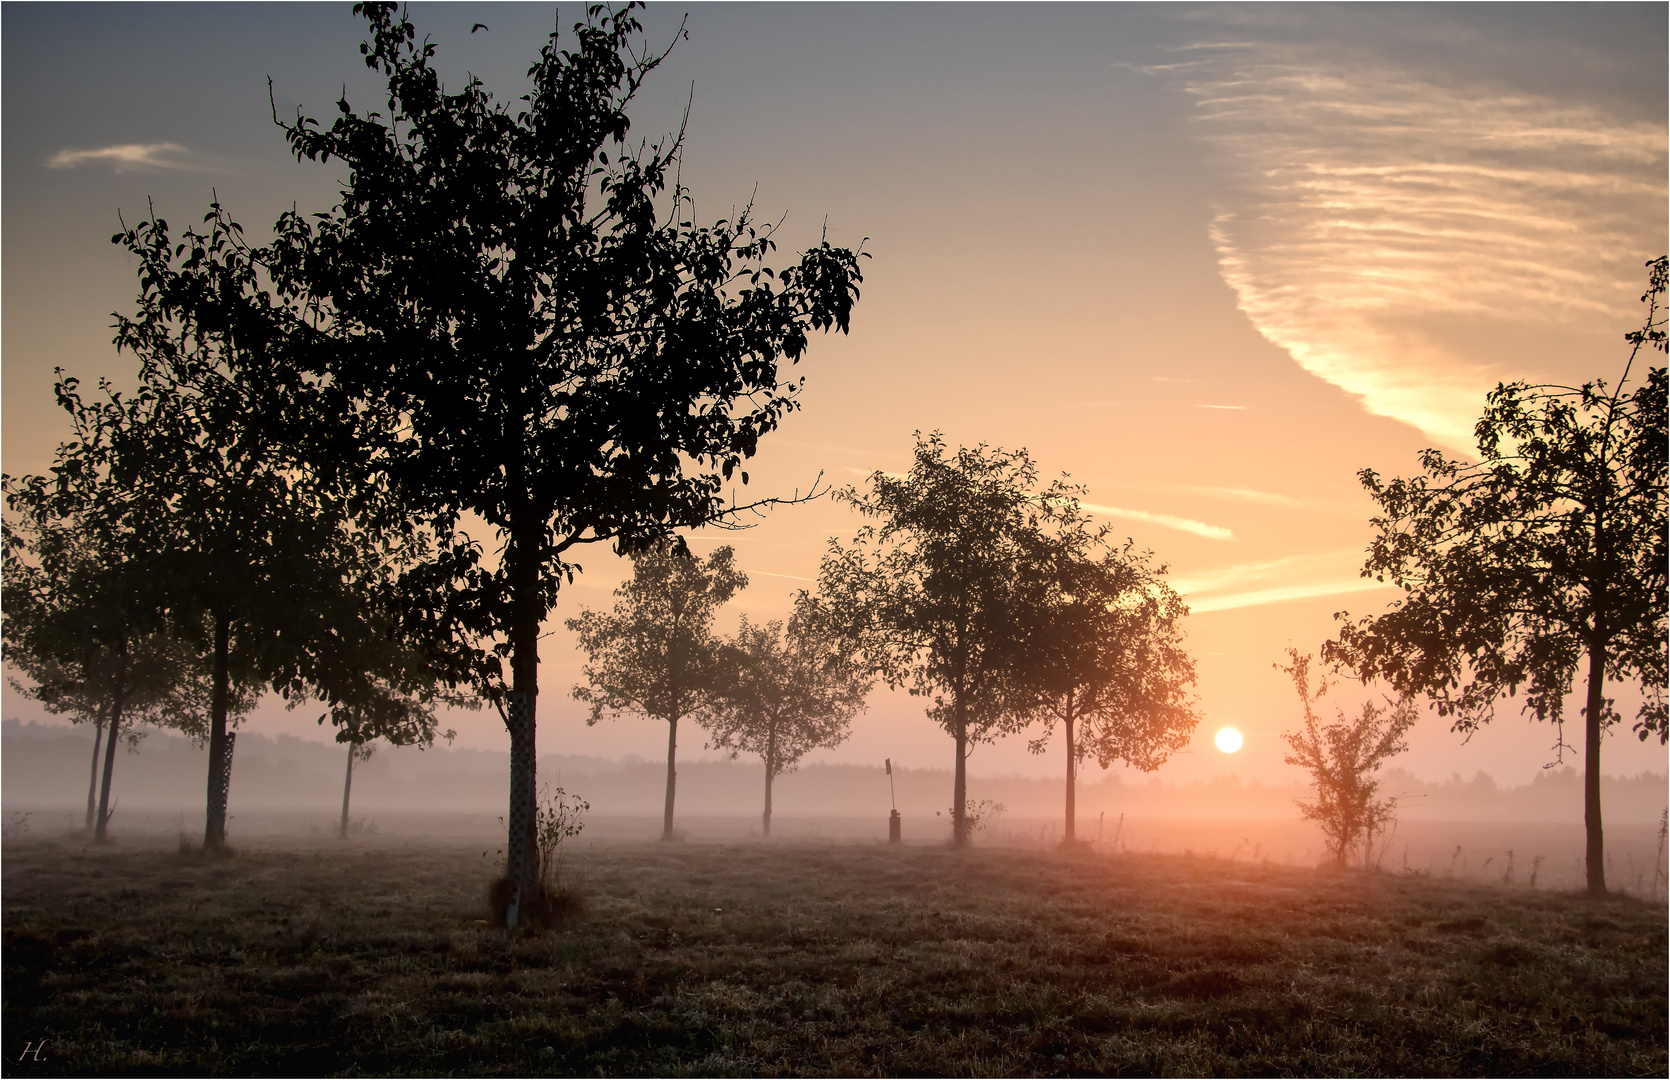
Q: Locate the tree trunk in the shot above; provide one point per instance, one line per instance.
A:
(347, 786)
(1069, 831)
(672, 778)
(102, 823)
(959, 787)
(220, 765)
(93, 770)
(1595, 856)
(522, 857)
(770, 772)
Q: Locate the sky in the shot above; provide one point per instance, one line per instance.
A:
(1211, 261)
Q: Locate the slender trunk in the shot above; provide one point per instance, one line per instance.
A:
(959, 787)
(770, 771)
(522, 862)
(347, 786)
(1595, 856)
(220, 755)
(672, 777)
(102, 823)
(1069, 830)
(93, 770)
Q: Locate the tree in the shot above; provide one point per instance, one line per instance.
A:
(1341, 758)
(79, 625)
(931, 595)
(402, 721)
(786, 691)
(655, 655)
(1548, 549)
(264, 550)
(1104, 654)
(551, 344)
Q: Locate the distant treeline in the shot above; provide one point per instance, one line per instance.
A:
(46, 766)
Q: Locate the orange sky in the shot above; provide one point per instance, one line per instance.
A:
(1209, 261)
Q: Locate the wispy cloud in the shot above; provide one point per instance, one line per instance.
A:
(1167, 521)
(1228, 577)
(1369, 205)
(1296, 577)
(1281, 593)
(1246, 494)
(768, 573)
(127, 157)
(1236, 408)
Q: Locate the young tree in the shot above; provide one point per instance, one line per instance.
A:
(1341, 758)
(931, 596)
(553, 346)
(655, 655)
(80, 626)
(399, 719)
(1105, 656)
(1548, 549)
(786, 692)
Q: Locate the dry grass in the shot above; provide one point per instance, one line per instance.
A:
(799, 958)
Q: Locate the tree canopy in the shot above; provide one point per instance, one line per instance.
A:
(655, 655)
(522, 298)
(786, 690)
(1104, 652)
(1548, 550)
(930, 594)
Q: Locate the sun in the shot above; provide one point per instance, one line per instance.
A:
(1228, 740)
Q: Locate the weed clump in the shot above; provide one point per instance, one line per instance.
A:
(554, 900)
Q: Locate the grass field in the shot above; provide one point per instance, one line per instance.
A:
(810, 957)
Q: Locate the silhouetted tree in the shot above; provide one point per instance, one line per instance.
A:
(1104, 653)
(81, 625)
(1551, 547)
(225, 465)
(786, 691)
(656, 655)
(552, 345)
(1341, 758)
(932, 595)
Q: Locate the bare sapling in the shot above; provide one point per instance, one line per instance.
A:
(1342, 757)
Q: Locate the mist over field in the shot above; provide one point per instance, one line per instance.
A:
(286, 786)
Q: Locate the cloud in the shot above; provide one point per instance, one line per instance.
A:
(768, 573)
(126, 157)
(1246, 494)
(1237, 408)
(1228, 577)
(1370, 208)
(1281, 593)
(1168, 521)
(1296, 577)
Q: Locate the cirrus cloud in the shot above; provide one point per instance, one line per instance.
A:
(1371, 211)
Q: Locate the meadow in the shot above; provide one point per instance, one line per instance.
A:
(299, 956)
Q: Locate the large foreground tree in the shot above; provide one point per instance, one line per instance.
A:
(552, 344)
(1546, 554)
(932, 594)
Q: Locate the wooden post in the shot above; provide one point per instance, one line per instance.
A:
(893, 833)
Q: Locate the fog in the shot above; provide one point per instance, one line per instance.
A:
(47, 766)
